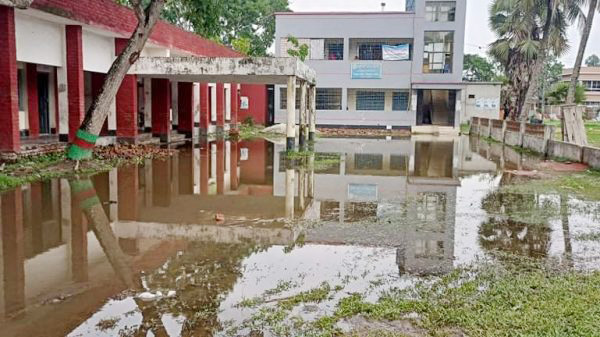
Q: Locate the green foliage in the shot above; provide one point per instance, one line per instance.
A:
(593, 61)
(242, 44)
(558, 94)
(479, 69)
(299, 51)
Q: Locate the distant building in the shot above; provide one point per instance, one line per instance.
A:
(381, 69)
(589, 77)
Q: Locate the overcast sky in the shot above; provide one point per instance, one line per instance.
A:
(478, 34)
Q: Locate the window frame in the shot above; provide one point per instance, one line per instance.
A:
(373, 105)
(446, 52)
(403, 106)
(337, 105)
(434, 11)
(339, 42)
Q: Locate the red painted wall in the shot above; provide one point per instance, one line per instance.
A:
(257, 103)
(254, 170)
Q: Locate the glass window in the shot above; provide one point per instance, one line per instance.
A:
(370, 100)
(370, 51)
(334, 49)
(283, 98)
(591, 85)
(438, 52)
(329, 98)
(367, 161)
(21, 88)
(400, 101)
(440, 11)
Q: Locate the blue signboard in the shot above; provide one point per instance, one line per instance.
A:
(366, 71)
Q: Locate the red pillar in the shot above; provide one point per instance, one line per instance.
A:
(161, 182)
(32, 101)
(185, 102)
(9, 106)
(75, 81)
(233, 169)
(161, 109)
(13, 249)
(127, 192)
(127, 102)
(204, 165)
(235, 102)
(186, 172)
(220, 106)
(204, 108)
(220, 166)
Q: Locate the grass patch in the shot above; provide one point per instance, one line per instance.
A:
(585, 185)
(592, 130)
(465, 128)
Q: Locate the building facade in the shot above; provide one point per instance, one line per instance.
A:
(381, 69)
(54, 58)
(589, 77)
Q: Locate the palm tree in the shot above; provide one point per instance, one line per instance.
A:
(528, 32)
(586, 22)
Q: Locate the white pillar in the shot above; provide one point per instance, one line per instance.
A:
(303, 115)
(291, 114)
(312, 115)
(289, 193)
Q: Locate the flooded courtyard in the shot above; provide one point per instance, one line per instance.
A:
(231, 238)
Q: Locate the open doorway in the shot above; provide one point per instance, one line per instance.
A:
(436, 107)
(43, 80)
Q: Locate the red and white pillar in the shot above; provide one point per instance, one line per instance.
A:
(161, 109)
(127, 103)
(220, 107)
(235, 103)
(204, 108)
(9, 100)
(220, 166)
(75, 80)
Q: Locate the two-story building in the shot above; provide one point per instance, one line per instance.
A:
(381, 69)
(589, 77)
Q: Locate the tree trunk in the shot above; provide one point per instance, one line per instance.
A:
(90, 128)
(538, 65)
(589, 20)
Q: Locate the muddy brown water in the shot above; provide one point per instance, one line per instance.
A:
(176, 247)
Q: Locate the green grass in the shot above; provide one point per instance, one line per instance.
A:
(584, 185)
(592, 130)
(464, 129)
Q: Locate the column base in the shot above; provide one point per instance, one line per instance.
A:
(127, 140)
(147, 129)
(311, 136)
(164, 138)
(64, 138)
(290, 144)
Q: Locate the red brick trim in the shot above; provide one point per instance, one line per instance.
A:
(9, 100)
(75, 81)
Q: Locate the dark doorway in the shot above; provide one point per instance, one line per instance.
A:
(270, 105)
(43, 102)
(436, 107)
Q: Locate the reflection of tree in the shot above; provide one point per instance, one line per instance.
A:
(201, 275)
(517, 224)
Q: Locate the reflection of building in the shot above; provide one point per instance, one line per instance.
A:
(398, 193)
(47, 246)
(394, 69)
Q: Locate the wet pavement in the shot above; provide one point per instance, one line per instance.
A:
(206, 242)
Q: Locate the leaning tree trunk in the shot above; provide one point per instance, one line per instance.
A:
(538, 65)
(589, 20)
(88, 132)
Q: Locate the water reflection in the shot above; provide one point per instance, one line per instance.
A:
(223, 221)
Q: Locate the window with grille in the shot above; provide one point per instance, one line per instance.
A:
(329, 99)
(334, 49)
(438, 52)
(400, 101)
(440, 11)
(591, 85)
(370, 100)
(283, 98)
(370, 51)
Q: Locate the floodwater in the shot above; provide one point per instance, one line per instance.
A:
(202, 244)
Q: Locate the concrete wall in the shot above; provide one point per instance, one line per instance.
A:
(565, 150)
(38, 41)
(98, 52)
(257, 103)
(485, 93)
(512, 138)
(591, 156)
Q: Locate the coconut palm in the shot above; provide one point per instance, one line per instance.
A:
(586, 23)
(528, 32)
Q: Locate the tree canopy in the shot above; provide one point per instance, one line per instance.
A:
(558, 94)
(246, 25)
(593, 61)
(479, 69)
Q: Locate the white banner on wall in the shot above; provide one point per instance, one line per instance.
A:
(400, 52)
(244, 103)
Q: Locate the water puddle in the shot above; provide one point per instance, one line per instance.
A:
(233, 239)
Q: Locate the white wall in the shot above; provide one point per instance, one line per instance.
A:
(38, 41)
(98, 52)
(483, 92)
